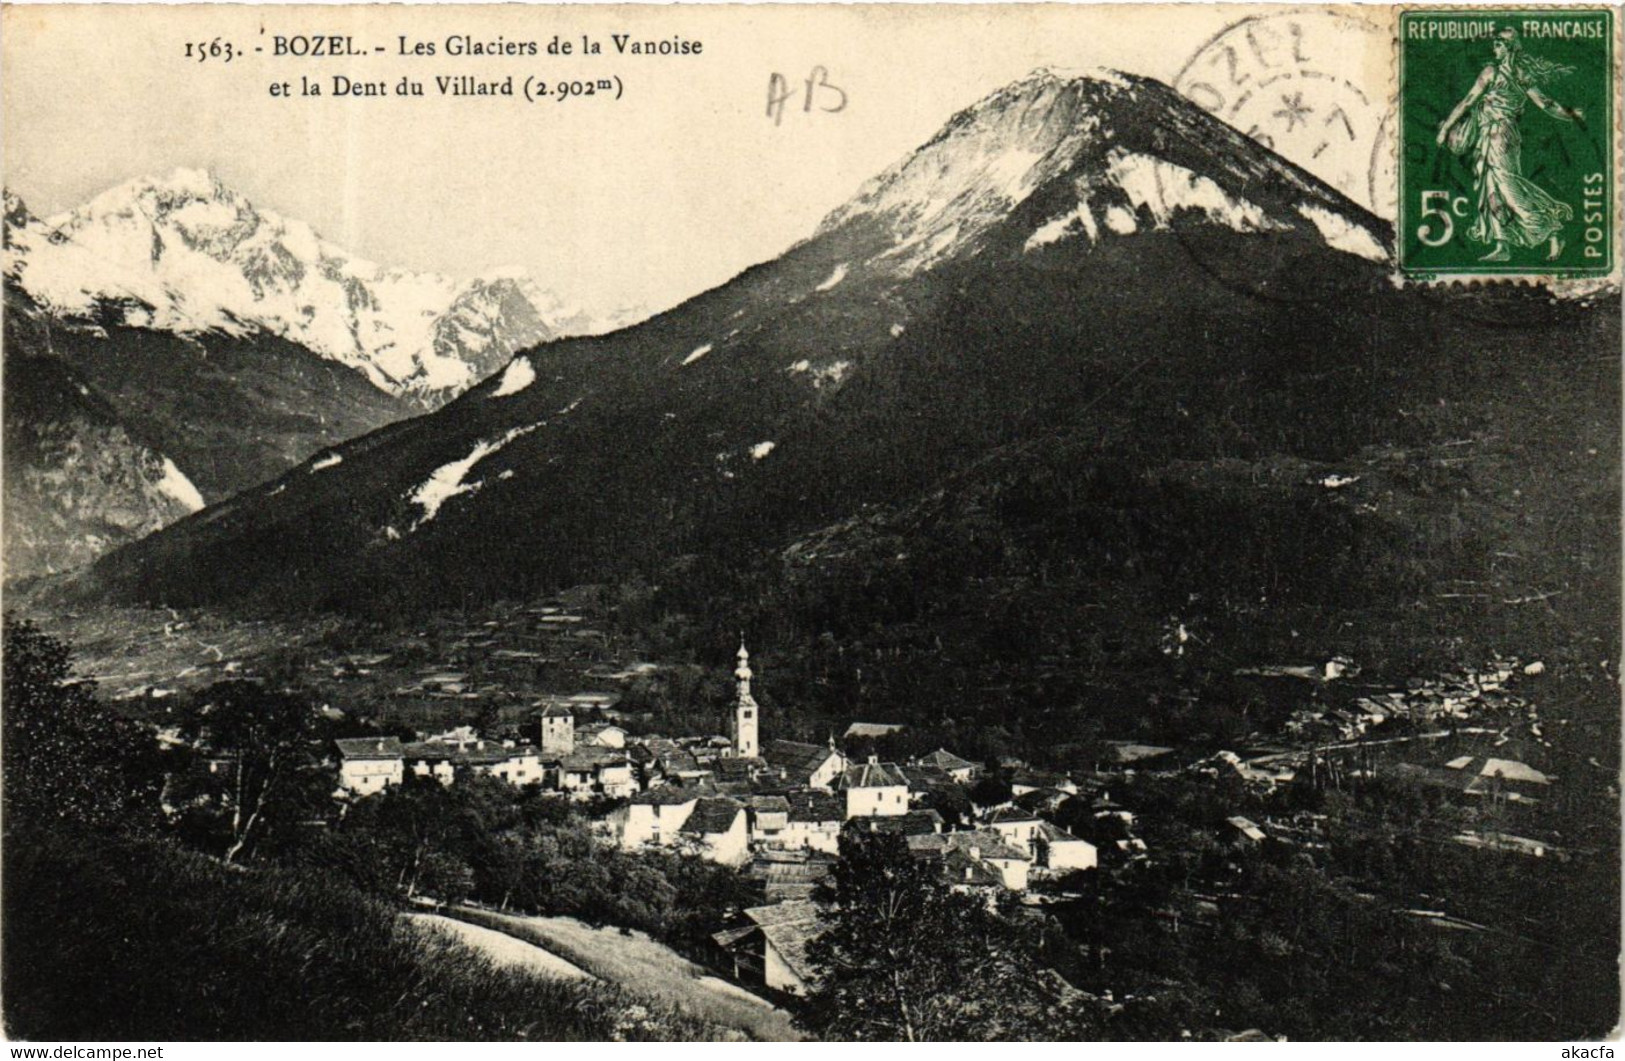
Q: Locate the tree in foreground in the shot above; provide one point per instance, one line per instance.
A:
(905, 957)
(68, 760)
(260, 739)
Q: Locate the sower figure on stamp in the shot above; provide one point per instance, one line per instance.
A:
(1512, 210)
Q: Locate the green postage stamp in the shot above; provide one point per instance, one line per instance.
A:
(1507, 142)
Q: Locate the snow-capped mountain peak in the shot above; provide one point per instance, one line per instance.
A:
(186, 253)
(1127, 153)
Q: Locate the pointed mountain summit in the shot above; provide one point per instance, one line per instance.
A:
(1092, 156)
(1072, 257)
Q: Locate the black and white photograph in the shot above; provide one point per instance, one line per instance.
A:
(809, 522)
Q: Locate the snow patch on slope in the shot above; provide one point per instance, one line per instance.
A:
(1164, 189)
(761, 450)
(446, 481)
(176, 486)
(697, 353)
(1120, 221)
(1079, 220)
(1343, 235)
(834, 278)
(516, 377)
(327, 462)
(832, 373)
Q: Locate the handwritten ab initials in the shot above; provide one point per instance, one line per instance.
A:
(816, 92)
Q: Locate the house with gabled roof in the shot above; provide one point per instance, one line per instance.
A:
(739, 774)
(814, 821)
(369, 764)
(789, 875)
(522, 766)
(1023, 781)
(603, 734)
(453, 756)
(913, 823)
(656, 816)
(970, 876)
(594, 771)
(872, 730)
(1057, 850)
(769, 816)
(1049, 846)
(1509, 778)
(716, 830)
(961, 770)
(804, 765)
(981, 845)
(874, 788)
(666, 761)
(771, 946)
(1247, 828)
(931, 786)
(1016, 825)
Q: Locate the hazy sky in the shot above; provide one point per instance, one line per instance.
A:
(669, 190)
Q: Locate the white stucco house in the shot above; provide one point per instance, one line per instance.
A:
(873, 789)
(368, 765)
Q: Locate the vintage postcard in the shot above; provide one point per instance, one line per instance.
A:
(811, 522)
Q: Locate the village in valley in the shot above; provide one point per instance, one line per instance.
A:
(562, 703)
(1022, 835)
(775, 808)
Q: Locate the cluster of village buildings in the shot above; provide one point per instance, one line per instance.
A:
(775, 809)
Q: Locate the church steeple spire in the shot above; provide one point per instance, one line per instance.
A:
(745, 711)
(743, 671)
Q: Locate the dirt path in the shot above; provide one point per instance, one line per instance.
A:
(502, 948)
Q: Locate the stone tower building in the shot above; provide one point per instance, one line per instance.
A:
(558, 731)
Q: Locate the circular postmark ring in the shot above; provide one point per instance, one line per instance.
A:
(1311, 118)
(1267, 77)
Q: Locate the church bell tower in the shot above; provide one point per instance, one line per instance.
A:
(746, 714)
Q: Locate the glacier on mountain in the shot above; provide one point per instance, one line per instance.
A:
(186, 254)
